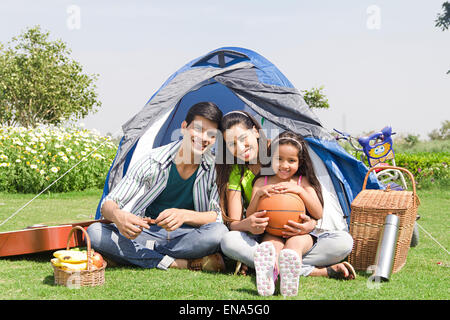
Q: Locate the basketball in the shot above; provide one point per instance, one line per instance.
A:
(280, 208)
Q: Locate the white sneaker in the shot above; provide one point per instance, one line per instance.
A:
(264, 258)
(290, 266)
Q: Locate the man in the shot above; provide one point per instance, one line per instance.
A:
(180, 197)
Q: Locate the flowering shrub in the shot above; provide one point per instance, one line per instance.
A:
(428, 168)
(31, 159)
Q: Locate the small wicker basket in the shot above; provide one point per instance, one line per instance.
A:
(84, 278)
(368, 212)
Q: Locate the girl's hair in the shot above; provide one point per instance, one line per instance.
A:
(305, 167)
(223, 169)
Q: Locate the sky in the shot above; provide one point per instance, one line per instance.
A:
(380, 62)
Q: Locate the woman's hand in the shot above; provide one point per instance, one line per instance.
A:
(295, 228)
(257, 222)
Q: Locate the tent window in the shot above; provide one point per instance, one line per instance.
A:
(214, 60)
(221, 59)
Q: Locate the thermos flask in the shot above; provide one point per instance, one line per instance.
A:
(387, 244)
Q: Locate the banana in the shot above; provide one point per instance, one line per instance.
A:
(74, 266)
(56, 262)
(70, 256)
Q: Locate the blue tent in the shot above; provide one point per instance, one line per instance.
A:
(237, 79)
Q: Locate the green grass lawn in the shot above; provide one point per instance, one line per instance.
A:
(31, 276)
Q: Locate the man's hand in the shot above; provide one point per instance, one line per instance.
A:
(170, 219)
(295, 228)
(129, 225)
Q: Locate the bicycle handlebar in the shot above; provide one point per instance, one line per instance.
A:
(348, 137)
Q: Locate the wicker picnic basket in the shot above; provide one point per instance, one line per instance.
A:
(368, 212)
(85, 278)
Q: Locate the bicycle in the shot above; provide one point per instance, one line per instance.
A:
(377, 149)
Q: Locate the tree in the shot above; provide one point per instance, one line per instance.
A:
(315, 98)
(441, 134)
(41, 83)
(443, 19)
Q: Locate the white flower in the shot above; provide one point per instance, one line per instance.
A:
(54, 169)
(33, 166)
(97, 156)
(18, 142)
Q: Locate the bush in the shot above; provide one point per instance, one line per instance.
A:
(31, 159)
(428, 168)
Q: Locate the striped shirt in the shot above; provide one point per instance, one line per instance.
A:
(147, 178)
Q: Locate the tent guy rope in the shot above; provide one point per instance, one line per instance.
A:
(59, 178)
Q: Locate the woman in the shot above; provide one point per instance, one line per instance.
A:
(244, 154)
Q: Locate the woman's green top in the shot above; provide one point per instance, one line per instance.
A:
(235, 183)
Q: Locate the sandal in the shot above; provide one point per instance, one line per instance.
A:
(241, 269)
(340, 275)
(211, 263)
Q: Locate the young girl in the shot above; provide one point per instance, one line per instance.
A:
(293, 174)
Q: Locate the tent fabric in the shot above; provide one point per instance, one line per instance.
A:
(157, 108)
(284, 106)
(244, 80)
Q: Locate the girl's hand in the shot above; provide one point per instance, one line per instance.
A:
(287, 187)
(266, 191)
(257, 222)
(295, 228)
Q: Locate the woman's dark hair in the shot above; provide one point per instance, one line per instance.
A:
(224, 168)
(305, 167)
(206, 110)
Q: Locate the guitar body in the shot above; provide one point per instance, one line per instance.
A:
(41, 238)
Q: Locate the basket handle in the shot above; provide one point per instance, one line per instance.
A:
(395, 168)
(88, 241)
